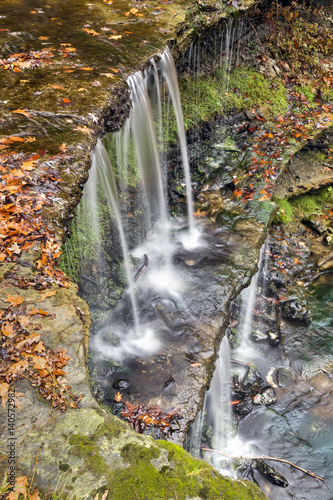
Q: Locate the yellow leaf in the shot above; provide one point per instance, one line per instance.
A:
(30, 139)
(118, 397)
(14, 300)
(28, 165)
(22, 112)
(81, 89)
(126, 14)
(37, 311)
(115, 70)
(116, 37)
(43, 37)
(108, 75)
(87, 68)
(4, 393)
(58, 87)
(134, 10)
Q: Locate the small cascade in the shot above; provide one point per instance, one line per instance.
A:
(218, 404)
(214, 424)
(101, 163)
(168, 70)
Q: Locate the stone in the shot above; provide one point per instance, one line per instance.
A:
(112, 338)
(266, 397)
(271, 474)
(285, 377)
(121, 384)
(296, 309)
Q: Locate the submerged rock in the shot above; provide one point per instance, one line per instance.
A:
(266, 397)
(284, 377)
(271, 474)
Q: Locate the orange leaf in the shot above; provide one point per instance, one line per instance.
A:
(126, 14)
(115, 70)
(118, 397)
(17, 367)
(34, 496)
(296, 260)
(66, 100)
(14, 300)
(47, 294)
(58, 87)
(2, 257)
(16, 139)
(134, 10)
(4, 393)
(195, 364)
(84, 129)
(20, 488)
(37, 311)
(7, 330)
(22, 112)
(238, 192)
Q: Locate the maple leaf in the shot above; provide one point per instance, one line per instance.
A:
(14, 248)
(4, 393)
(22, 112)
(14, 300)
(47, 294)
(118, 397)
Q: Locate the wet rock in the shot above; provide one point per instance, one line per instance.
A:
(117, 407)
(243, 408)
(266, 397)
(112, 338)
(121, 384)
(316, 223)
(271, 474)
(154, 432)
(328, 239)
(161, 359)
(250, 115)
(253, 380)
(296, 310)
(169, 383)
(285, 377)
(258, 336)
(273, 338)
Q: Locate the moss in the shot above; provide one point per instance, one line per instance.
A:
(205, 96)
(85, 447)
(285, 212)
(312, 203)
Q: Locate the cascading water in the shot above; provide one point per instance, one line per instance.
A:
(101, 163)
(214, 425)
(168, 70)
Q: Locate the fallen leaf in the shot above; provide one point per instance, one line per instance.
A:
(7, 329)
(108, 75)
(43, 37)
(58, 87)
(34, 496)
(134, 10)
(115, 70)
(66, 100)
(115, 37)
(20, 488)
(195, 364)
(86, 68)
(37, 311)
(85, 130)
(4, 393)
(21, 365)
(14, 300)
(47, 294)
(22, 112)
(118, 397)
(31, 339)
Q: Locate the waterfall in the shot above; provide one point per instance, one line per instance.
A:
(169, 72)
(101, 163)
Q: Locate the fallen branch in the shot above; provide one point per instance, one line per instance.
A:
(308, 472)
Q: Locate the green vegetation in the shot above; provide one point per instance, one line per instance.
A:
(209, 95)
(316, 202)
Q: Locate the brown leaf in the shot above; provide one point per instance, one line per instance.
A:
(28, 341)
(15, 368)
(4, 393)
(14, 300)
(34, 496)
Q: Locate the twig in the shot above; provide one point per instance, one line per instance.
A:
(241, 363)
(174, 489)
(33, 475)
(308, 472)
(135, 493)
